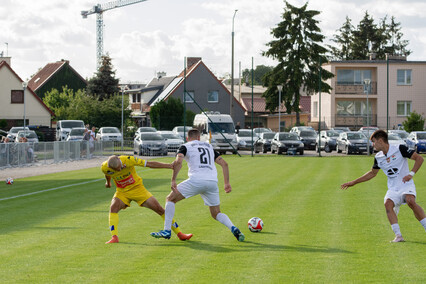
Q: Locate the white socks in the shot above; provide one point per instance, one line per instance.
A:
(224, 219)
(396, 230)
(168, 215)
(423, 222)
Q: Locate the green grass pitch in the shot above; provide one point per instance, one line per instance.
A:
(314, 232)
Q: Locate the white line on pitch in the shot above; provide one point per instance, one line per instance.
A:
(50, 189)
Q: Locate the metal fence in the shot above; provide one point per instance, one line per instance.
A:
(24, 154)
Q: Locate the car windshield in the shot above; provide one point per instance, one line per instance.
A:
(110, 130)
(261, 130)
(16, 129)
(403, 135)
(151, 136)
(356, 136)
(245, 133)
(287, 136)
(180, 128)
(28, 134)
(394, 137)
(306, 133)
(77, 131)
(268, 135)
(72, 124)
(223, 127)
(332, 134)
(170, 136)
(421, 135)
(147, 129)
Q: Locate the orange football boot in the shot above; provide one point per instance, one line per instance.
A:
(183, 237)
(114, 239)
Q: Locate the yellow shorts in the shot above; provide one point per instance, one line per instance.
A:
(139, 195)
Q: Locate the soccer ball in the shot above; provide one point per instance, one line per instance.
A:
(9, 181)
(255, 224)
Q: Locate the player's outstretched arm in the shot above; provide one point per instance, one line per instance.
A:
(225, 169)
(367, 176)
(158, 165)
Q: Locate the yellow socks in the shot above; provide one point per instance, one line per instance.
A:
(113, 223)
(175, 226)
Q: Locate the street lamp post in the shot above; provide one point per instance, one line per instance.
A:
(231, 102)
(280, 88)
(122, 116)
(24, 86)
(367, 83)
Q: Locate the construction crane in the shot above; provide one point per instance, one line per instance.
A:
(99, 9)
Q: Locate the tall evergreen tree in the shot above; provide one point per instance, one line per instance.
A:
(397, 44)
(366, 32)
(297, 49)
(103, 84)
(259, 72)
(343, 40)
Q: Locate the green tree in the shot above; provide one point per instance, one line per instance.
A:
(167, 114)
(59, 102)
(366, 32)
(343, 40)
(103, 84)
(259, 72)
(414, 122)
(297, 49)
(396, 45)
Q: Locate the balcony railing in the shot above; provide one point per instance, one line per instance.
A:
(357, 89)
(355, 121)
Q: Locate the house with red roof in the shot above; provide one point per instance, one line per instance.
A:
(56, 76)
(18, 101)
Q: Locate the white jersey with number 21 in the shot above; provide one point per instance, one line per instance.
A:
(200, 157)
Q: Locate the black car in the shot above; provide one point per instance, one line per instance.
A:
(287, 142)
(309, 138)
(263, 143)
(352, 142)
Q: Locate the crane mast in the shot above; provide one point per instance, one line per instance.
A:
(99, 9)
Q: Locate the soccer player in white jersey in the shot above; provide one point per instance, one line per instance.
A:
(392, 159)
(202, 180)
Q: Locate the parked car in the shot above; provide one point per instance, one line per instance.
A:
(76, 134)
(395, 139)
(352, 142)
(244, 139)
(328, 140)
(109, 134)
(263, 142)
(180, 130)
(63, 128)
(149, 143)
(259, 130)
(368, 130)
(173, 140)
(286, 142)
(145, 129)
(13, 131)
(341, 129)
(402, 133)
(29, 134)
(308, 137)
(417, 141)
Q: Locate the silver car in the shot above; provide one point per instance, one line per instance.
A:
(13, 131)
(76, 134)
(109, 134)
(30, 135)
(150, 143)
(173, 140)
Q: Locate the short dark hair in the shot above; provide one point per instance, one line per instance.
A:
(193, 132)
(380, 134)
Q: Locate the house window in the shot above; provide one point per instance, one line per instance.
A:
(403, 77)
(403, 108)
(17, 96)
(315, 109)
(189, 95)
(213, 97)
(136, 98)
(352, 77)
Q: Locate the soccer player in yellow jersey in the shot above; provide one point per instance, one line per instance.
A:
(130, 188)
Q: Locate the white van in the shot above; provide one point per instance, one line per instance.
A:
(63, 127)
(212, 132)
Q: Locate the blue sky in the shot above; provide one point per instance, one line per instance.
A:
(156, 35)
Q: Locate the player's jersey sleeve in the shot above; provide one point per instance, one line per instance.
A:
(376, 165)
(216, 155)
(132, 161)
(104, 168)
(405, 152)
(182, 150)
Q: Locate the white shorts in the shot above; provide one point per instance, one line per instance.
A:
(208, 190)
(398, 195)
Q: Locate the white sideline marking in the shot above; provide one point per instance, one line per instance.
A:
(50, 189)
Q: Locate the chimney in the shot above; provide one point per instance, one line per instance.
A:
(191, 61)
(7, 59)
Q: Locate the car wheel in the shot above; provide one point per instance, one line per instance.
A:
(279, 151)
(272, 150)
(338, 150)
(255, 150)
(264, 150)
(301, 152)
(327, 148)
